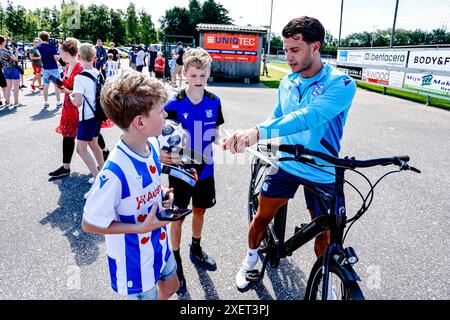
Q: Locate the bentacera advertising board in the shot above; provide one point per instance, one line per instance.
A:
(428, 83)
(378, 58)
(232, 47)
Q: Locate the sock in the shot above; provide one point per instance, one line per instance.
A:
(176, 254)
(250, 259)
(195, 246)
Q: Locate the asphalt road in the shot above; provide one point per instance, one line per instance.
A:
(402, 242)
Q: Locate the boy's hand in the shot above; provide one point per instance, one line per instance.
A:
(166, 158)
(64, 90)
(151, 222)
(168, 199)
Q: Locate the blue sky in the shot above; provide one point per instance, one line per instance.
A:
(359, 15)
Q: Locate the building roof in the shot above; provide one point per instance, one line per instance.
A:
(230, 28)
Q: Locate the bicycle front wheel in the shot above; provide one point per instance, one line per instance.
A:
(341, 287)
(259, 172)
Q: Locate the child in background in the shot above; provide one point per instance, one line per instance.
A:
(111, 66)
(160, 64)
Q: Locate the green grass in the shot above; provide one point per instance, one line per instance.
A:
(416, 97)
(281, 65)
(274, 78)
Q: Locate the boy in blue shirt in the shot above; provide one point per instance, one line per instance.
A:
(200, 113)
(127, 193)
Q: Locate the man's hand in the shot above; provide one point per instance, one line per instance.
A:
(240, 140)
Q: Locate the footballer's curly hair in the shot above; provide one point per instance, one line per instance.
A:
(198, 58)
(310, 28)
(130, 94)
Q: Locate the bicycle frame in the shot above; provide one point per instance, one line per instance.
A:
(334, 222)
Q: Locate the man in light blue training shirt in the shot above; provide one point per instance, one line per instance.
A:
(313, 104)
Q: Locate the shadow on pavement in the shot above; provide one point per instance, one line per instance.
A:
(288, 282)
(207, 284)
(7, 111)
(45, 114)
(67, 217)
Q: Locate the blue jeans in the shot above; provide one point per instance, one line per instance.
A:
(169, 270)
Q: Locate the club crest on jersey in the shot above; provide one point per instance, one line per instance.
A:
(209, 113)
(318, 90)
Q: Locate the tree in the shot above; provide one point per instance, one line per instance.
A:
(176, 21)
(213, 12)
(147, 28)
(132, 23)
(117, 27)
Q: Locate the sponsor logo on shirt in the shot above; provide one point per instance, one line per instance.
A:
(318, 90)
(103, 180)
(142, 200)
(185, 115)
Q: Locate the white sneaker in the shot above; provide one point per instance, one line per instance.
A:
(241, 278)
(91, 180)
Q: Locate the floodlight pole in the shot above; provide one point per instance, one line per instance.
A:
(340, 24)
(391, 44)
(269, 35)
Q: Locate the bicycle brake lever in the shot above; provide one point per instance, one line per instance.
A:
(414, 169)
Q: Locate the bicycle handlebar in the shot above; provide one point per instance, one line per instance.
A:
(299, 152)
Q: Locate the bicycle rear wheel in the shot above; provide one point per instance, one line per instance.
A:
(342, 288)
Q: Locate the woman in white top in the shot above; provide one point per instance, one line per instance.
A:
(84, 96)
(140, 58)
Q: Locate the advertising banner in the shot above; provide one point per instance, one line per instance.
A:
(354, 72)
(231, 47)
(350, 57)
(386, 58)
(428, 83)
(379, 76)
(437, 60)
(379, 58)
(384, 77)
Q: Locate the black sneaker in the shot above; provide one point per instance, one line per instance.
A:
(202, 259)
(182, 289)
(105, 155)
(60, 172)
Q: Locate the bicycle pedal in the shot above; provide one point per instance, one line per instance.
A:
(252, 275)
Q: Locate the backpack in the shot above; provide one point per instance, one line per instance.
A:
(99, 82)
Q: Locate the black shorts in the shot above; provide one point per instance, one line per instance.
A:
(203, 194)
(158, 75)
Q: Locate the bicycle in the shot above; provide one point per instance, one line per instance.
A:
(337, 262)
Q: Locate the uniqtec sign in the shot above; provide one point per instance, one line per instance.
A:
(428, 83)
(231, 47)
(436, 60)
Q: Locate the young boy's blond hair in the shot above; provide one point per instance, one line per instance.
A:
(130, 94)
(87, 52)
(198, 58)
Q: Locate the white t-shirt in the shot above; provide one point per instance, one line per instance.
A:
(111, 68)
(125, 190)
(140, 56)
(86, 87)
